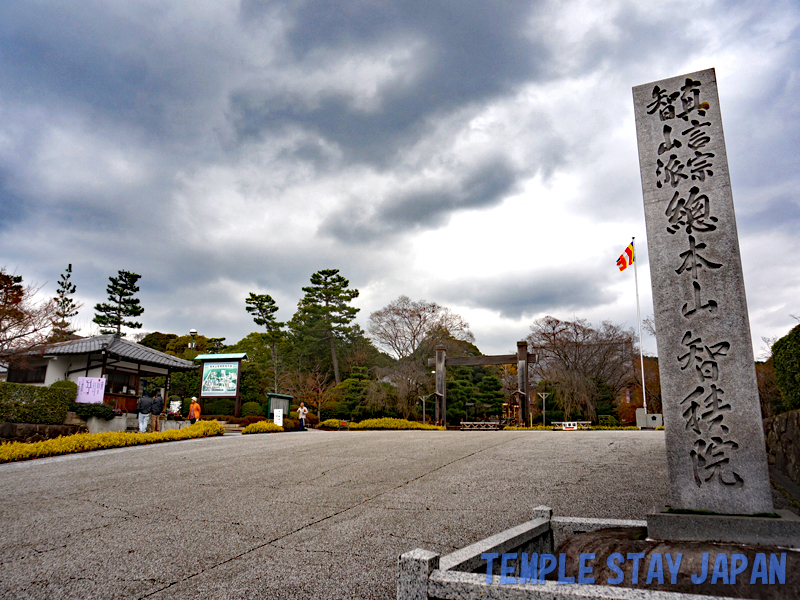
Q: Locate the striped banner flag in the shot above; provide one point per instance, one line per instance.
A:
(625, 259)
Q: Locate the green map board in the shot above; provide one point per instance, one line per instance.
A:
(219, 379)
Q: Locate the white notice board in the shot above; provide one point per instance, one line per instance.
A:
(91, 390)
(278, 417)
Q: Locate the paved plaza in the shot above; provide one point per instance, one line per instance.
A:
(298, 515)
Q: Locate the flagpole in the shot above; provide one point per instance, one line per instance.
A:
(639, 319)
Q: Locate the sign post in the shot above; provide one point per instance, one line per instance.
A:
(220, 376)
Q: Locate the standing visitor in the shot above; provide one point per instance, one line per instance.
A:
(143, 407)
(301, 414)
(156, 408)
(194, 411)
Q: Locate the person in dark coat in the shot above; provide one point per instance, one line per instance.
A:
(143, 407)
(156, 409)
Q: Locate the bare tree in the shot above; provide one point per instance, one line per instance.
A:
(403, 326)
(411, 380)
(312, 387)
(577, 357)
(24, 321)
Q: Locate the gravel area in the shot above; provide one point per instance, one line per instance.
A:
(298, 515)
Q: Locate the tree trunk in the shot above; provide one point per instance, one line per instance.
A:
(335, 360)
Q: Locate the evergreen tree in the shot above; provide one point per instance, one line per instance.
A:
(263, 309)
(324, 311)
(122, 304)
(66, 308)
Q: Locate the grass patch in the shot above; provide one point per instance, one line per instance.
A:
(86, 442)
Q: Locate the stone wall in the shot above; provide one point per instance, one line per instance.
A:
(783, 443)
(29, 432)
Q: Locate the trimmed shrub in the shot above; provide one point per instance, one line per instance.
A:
(331, 424)
(290, 424)
(85, 442)
(608, 421)
(222, 406)
(262, 427)
(249, 420)
(389, 423)
(66, 385)
(85, 410)
(23, 403)
(252, 409)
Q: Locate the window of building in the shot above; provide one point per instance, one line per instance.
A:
(27, 375)
(119, 382)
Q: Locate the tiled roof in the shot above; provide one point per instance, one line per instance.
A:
(122, 348)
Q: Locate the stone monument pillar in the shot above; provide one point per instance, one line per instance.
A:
(715, 442)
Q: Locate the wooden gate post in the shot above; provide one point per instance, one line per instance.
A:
(522, 381)
(441, 384)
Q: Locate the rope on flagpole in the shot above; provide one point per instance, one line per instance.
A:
(639, 319)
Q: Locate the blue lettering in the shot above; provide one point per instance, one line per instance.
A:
(584, 570)
(759, 569)
(656, 569)
(527, 570)
(562, 565)
(611, 563)
(489, 557)
(635, 557)
(506, 569)
(720, 568)
(736, 569)
(777, 569)
(673, 567)
(704, 574)
(547, 564)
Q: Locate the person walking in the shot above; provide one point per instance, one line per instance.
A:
(143, 407)
(194, 411)
(156, 409)
(301, 414)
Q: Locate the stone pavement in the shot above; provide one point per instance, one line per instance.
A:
(298, 515)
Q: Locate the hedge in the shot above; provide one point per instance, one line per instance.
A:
(85, 442)
(389, 423)
(23, 403)
(86, 409)
(786, 360)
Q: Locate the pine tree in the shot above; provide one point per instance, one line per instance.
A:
(66, 308)
(263, 309)
(324, 309)
(122, 304)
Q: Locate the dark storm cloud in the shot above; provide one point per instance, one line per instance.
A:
(515, 297)
(430, 208)
(471, 52)
(12, 208)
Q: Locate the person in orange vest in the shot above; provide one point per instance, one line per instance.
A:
(194, 411)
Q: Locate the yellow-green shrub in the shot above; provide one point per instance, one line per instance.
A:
(85, 442)
(388, 423)
(331, 424)
(262, 427)
(534, 428)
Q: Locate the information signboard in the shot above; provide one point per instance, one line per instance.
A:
(278, 418)
(219, 379)
(91, 390)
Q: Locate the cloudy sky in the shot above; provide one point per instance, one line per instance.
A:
(477, 154)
